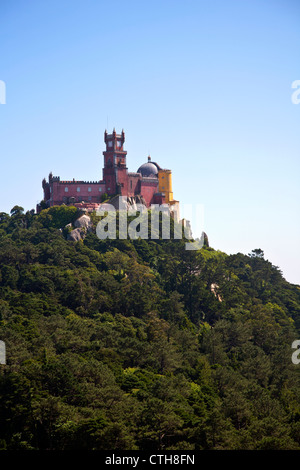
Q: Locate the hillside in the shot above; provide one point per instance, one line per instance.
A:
(135, 344)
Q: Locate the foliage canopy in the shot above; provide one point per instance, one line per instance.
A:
(134, 344)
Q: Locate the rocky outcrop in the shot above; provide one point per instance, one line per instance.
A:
(82, 225)
(127, 202)
(76, 235)
(84, 222)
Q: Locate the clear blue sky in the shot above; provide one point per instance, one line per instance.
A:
(203, 86)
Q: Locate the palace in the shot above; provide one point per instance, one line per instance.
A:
(151, 184)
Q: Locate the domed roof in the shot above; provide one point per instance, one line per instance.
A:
(149, 168)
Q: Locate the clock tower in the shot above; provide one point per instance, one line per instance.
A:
(115, 170)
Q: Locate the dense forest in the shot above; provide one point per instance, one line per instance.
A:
(142, 344)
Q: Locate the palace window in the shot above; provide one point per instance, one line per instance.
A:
(78, 190)
(89, 190)
(100, 189)
(66, 189)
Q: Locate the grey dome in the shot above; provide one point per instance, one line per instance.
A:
(148, 169)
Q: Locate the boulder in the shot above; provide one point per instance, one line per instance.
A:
(76, 235)
(84, 222)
